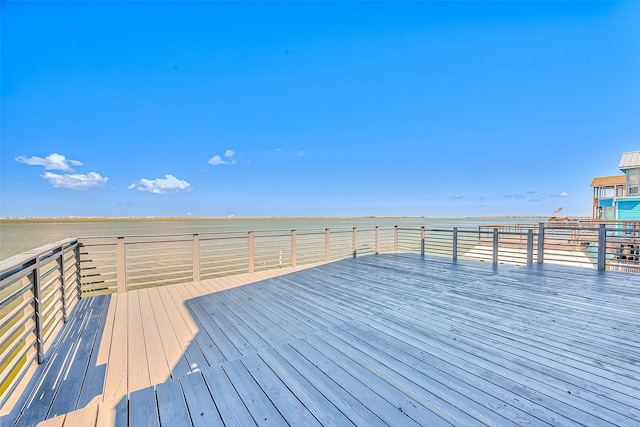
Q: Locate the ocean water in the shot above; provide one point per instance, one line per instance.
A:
(17, 236)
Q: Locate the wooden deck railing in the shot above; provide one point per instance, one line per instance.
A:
(38, 288)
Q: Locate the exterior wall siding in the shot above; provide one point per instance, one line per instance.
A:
(629, 209)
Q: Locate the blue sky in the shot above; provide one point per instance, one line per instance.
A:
(314, 108)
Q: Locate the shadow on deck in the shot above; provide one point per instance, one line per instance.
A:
(400, 340)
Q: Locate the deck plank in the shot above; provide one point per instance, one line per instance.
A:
(262, 410)
(185, 331)
(390, 339)
(41, 397)
(349, 406)
(172, 408)
(202, 409)
(230, 406)
(143, 408)
(70, 387)
(287, 403)
(159, 368)
(116, 382)
(312, 399)
(138, 365)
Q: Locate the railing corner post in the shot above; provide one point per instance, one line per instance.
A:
(495, 246)
(540, 258)
(530, 246)
(602, 247)
(121, 266)
(355, 242)
(76, 252)
(293, 248)
(455, 244)
(395, 238)
(37, 300)
(251, 252)
(63, 291)
(422, 234)
(377, 240)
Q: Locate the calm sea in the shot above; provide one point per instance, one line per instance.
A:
(17, 236)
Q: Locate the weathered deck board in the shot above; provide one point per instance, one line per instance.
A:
(201, 407)
(172, 408)
(391, 339)
(58, 383)
(262, 410)
(73, 378)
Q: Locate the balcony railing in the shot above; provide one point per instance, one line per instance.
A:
(40, 287)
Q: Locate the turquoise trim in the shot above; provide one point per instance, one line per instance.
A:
(629, 208)
(605, 203)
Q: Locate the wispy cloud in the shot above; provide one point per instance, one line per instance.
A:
(217, 160)
(563, 194)
(517, 196)
(53, 161)
(456, 196)
(281, 152)
(75, 181)
(168, 184)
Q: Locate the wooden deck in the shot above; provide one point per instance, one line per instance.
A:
(378, 340)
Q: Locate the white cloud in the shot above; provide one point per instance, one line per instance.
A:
(217, 160)
(564, 194)
(300, 153)
(75, 181)
(170, 184)
(53, 161)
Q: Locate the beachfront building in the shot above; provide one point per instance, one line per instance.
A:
(618, 197)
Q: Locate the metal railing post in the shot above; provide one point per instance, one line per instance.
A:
(602, 247)
(422, 242)
(540, 259)
(395, 238)
(530, 246)
(455, 243)
(37, 302)
(355, 241)
(78, 270)
(196, 257)
(327, 245)
(63, 291)
(251, 252)
(293, 248)
(377, 239)
(495, 245)
(121, 266)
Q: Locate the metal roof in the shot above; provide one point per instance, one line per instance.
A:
(630, 160)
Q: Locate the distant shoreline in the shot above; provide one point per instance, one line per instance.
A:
(261, 218)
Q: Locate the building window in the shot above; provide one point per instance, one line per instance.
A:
(633, 182)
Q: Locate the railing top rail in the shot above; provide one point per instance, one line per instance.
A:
(572, 228)
(17, 261)
(243, 232)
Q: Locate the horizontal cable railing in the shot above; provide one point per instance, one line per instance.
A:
(39, 288)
